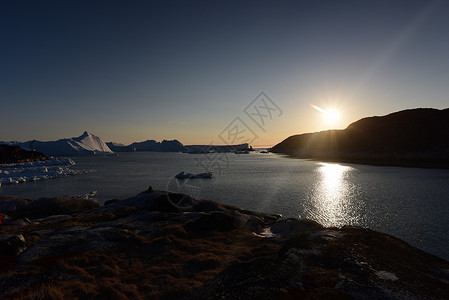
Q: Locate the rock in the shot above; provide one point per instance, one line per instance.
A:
(294, 225)
(10, 205)
(167, 203)
(170, 202)
(208, 206)
(180, 201)
(112, 201)
(44, 207)
(140, 220)
(52, 218)
(139, 201)
(330, 263)
(159, 250)
(17, 222)
(218, 221)
(75, 239)
(12, 244)
(255, 224)
(159, 201)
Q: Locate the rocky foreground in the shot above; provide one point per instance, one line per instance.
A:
(166, 245)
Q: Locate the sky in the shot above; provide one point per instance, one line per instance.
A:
(130, 71)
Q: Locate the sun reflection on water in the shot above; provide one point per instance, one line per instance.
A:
(331, 198)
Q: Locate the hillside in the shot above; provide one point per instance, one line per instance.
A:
(15, 154)
(417, 137)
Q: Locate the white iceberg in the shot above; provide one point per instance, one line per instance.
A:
(38, 170)
(87, 143)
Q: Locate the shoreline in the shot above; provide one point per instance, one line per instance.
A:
(442, 165)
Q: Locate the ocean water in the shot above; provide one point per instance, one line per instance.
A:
(410, 203)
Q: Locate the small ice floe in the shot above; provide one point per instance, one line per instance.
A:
(386, 275)
(90, 195)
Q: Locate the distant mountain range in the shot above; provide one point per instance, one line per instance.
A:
(199, 149)
(149, 145)
(414, 137)
(88, 143)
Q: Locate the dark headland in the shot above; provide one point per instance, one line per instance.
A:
(160, 245)
(415, 138)
(15, 154)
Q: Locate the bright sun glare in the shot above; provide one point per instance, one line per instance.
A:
(330, 115)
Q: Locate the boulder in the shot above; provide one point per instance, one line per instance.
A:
(208, 206)
(159, 201)
(138, 201)
(162, 204)
(17, 221)
(44, 207)
(12, 244)
(10, 205)
(217, 221)
(52, 218)
(171, 202)
(294, 225)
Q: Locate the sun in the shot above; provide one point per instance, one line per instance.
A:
(331, 115)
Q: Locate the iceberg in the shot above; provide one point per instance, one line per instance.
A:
(38, 170)
(87, 143)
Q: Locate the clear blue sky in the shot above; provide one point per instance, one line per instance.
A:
(135, 70)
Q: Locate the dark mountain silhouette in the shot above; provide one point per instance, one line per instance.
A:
(414, 137)
(198, 149)
(148, 145)
(15, 154)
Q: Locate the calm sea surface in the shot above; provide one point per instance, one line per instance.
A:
(412, 204)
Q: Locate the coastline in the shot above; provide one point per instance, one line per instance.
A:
(431, 164)
(159, 244)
